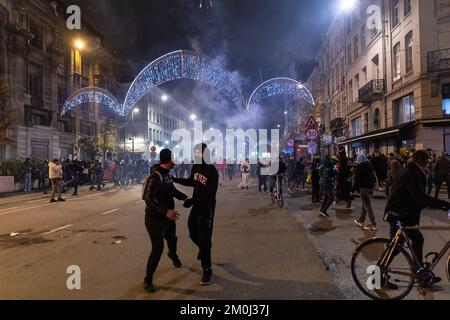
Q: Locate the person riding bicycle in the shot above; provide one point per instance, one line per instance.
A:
(408, 198)
(281, 171)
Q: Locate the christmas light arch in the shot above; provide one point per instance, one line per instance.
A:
(183, 64)
(277, 87)
(92, 95)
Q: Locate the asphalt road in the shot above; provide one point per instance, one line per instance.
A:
(259, 252)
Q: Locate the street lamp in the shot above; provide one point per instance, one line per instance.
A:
(164, 98)
(193, 117)
(79, 44)
(347, 5)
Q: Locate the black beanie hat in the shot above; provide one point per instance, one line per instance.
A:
(165, 156)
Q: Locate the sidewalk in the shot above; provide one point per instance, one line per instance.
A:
(11, 198)
(336, 238)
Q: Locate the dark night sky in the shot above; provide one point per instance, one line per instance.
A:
(278, 37)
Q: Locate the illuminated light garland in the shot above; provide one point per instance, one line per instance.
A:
(183, 64)
(280, 86)
(92, 95)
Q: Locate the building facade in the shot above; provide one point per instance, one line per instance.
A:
(41, 63)
(382, 77)
(152, 122)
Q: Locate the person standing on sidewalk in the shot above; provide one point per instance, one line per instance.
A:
(160, 217)
(344, 179)
(43, 176)
(262, 179)
(442, 174)
(245, 174)
(327, 181)
(28, 169)
(394, 165)
(364, 183)
(205, 180)
(55, 174)
(315, 180)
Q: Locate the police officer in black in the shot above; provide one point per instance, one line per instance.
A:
(205, 180)
(159, 193)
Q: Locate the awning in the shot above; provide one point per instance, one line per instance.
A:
(436, 122)
(384, 133)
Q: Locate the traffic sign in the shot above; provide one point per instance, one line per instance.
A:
(153, 149)
(311, 123)
(290, 143)
(312, 134)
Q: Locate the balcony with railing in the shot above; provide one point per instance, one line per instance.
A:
(439, 60)
(374, 90)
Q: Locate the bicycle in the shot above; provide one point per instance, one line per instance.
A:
(377, 262)
(276, 195)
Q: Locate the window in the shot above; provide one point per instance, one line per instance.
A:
(62, 92)
(350, 91)
(35, 81)
(356, 87)
(376, 119)
(395, 13)
(355, 46)
(62, 126)
(409, 43)
(366, 123)
(404, 110)
(38, 38)
(446, 99)
(37, 120)
(397, 62)
(364, 72)
(2, 152)
(349, 54)
(363, 37)
(408, 7)
(356, 127)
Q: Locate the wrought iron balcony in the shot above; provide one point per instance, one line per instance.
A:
(374, 90)
(439, 60)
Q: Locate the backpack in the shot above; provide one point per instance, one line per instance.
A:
(144, 186)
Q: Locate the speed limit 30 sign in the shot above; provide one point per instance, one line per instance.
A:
(312, 134)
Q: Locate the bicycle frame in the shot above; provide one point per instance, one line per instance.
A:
(387, 256)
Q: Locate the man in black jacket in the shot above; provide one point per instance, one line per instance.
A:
(408, 198)
(160, 217)
(364, 182)
(205, 180)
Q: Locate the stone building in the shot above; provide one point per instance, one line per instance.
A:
(383, 77)
(42, 62)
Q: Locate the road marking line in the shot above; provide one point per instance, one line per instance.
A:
(33, 201)
(58, 229)
(13, 210)
(108, 212)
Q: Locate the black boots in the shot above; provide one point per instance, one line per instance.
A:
(175, 260)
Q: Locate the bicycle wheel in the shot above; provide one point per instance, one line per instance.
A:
(392, 282)
(280, 201)
(448, 268)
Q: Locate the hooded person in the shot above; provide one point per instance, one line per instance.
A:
(158, 193)
(205, 180)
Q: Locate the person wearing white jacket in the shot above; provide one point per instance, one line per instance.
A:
(245, 174)
(55, 175)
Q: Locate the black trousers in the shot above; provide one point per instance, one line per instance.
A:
(200, 224)
(315, 192)
(262, 183)
(417, 240)
(159, 229)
